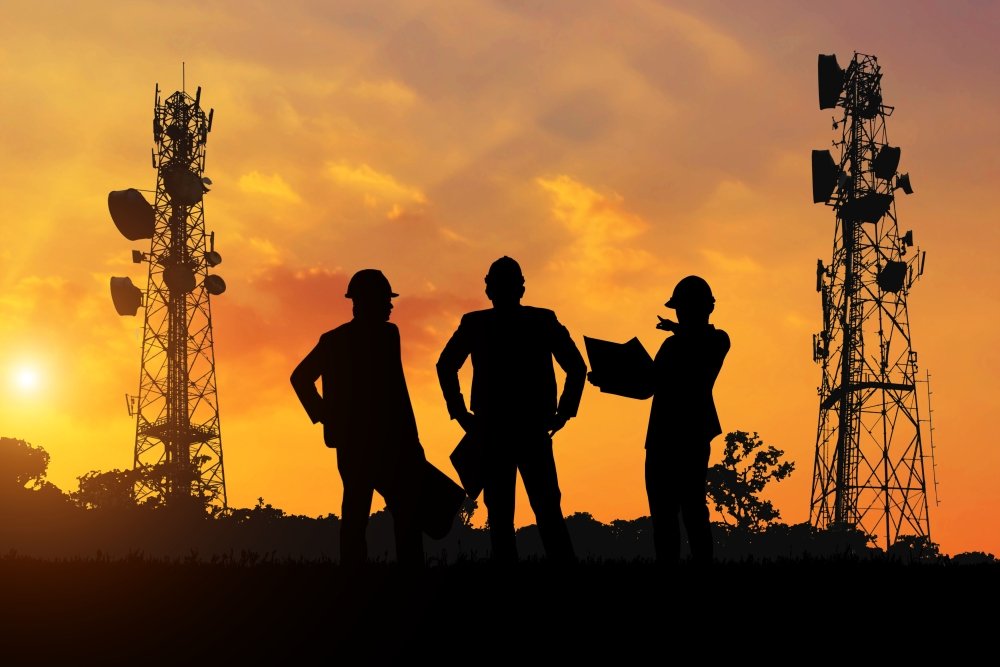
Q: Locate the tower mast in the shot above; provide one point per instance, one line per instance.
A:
(178, 442)
(869, 467)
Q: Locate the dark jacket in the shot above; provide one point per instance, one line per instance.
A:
(513, 378)
(683, 375)
(364, 401)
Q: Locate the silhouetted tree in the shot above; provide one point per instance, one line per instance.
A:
(260, 513)
(114, 489)
(22, 465)
(914, 549)
(734, 484)
(973, 558)
(465, 512)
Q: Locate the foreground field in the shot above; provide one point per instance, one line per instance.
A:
(143, 612)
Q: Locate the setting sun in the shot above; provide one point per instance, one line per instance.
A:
(26, 379)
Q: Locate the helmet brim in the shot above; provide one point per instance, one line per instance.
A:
(392, 295)
(680, 303)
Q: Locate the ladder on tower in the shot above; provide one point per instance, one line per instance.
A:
(930, 435)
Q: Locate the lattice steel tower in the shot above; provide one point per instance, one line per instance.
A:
(869, 468)
(178, 443)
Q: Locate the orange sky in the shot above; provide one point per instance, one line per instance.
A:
(611, 151)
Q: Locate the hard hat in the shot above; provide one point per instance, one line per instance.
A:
(691, 291)
(505, 270)
(369, 283)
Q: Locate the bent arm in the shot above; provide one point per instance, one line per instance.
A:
(304, 382)
(568, 357)
(712, 355)
(452, 358)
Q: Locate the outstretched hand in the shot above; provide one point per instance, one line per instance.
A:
(665, 324)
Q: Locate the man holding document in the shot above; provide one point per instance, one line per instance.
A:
(682, 420)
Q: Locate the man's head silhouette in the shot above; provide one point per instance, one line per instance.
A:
(505, 282)
(692, 299)
(372, 295)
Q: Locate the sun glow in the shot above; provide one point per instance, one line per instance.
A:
(26, 379)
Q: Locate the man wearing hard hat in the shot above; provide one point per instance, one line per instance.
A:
(514, 407)
(367, 416)
(682, 421)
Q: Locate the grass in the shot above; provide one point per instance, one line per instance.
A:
(147, 612)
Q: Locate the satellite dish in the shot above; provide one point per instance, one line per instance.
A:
(885, 163)
(831, 81)
(868, 208)
(215, 285)
(892, 276)
(824, 175)
(126, 296)
(183, 185)
(132, 214)
(213, 258)
(206, 180)
(179, 278)
(903, 182)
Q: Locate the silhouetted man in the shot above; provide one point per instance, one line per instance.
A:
(514, 407)
(682, 421)
(367, 416)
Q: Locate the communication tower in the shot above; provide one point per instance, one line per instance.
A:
(178, 442)
(869, 467)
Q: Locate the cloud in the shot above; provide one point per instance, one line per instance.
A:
(599, 254)
(386, 91)
(730, 264)
(583, 116)
(265, 249)
(593, 218)
(271, 186)
(725, 54)
(376, 188)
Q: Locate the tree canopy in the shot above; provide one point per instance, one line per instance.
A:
(735, 484)
(22, 465)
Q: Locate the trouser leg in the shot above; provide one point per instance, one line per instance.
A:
(693, 503)
(355, 508)
(663, 508)
(354, 514)
(403, 502)
(538, 471)
(498, 495)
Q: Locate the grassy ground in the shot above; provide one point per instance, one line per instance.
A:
(141, 612)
